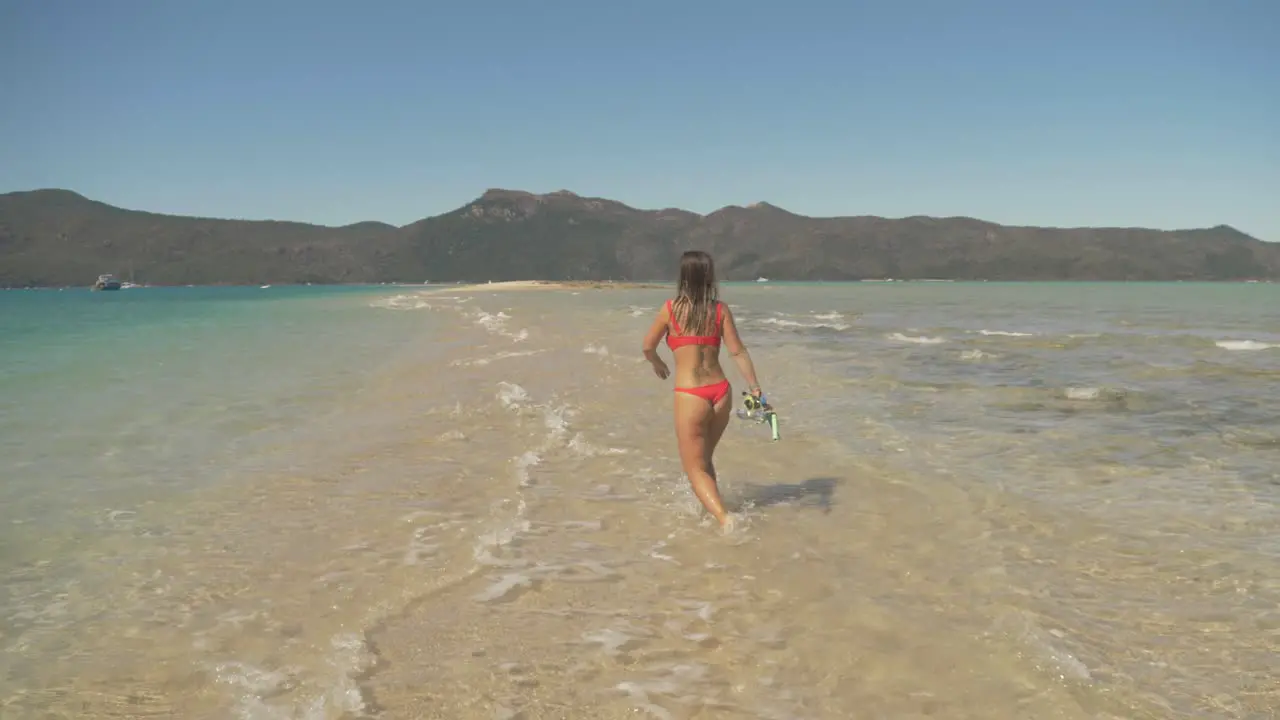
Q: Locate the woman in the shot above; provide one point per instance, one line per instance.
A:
(694, 323)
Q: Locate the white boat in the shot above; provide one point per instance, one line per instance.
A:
(762, 279)
(107, 282)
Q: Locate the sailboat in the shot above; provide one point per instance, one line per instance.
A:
(128, 284)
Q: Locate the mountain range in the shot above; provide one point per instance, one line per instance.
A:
(61, 238)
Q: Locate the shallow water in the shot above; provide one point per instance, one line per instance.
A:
(990, 501)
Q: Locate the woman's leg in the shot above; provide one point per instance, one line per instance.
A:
(696, 421)
(723, 411)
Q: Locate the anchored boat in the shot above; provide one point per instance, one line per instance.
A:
(107, 282)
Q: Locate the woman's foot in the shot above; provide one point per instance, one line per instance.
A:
(728, 523)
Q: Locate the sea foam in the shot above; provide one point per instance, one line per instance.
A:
(917, 339)
(1246, 345)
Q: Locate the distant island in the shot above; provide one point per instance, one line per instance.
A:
(60, 238)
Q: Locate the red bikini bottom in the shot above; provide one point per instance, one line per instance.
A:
(711, 393)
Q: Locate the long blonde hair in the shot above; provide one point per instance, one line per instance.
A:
(694, 308)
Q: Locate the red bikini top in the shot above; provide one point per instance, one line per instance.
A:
(675, 341)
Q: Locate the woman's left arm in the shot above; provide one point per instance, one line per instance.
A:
(651, 340)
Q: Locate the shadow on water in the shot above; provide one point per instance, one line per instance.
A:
(814, 492)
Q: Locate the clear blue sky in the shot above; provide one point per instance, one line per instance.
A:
(1162, 113)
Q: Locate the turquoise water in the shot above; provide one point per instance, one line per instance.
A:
(112, 399)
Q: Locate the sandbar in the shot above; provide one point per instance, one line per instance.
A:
(557, 285)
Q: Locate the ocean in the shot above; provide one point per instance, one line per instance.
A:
(989, 500)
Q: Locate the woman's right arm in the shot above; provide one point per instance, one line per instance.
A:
(650, 345)
(738, 351)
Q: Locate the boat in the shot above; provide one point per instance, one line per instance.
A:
(762, 279)
(107, 282)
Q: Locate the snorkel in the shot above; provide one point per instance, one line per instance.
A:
(758, 409)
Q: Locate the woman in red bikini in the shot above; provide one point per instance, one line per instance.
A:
(694, 323)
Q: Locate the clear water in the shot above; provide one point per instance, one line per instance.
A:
(121, 396)
(991, 500)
